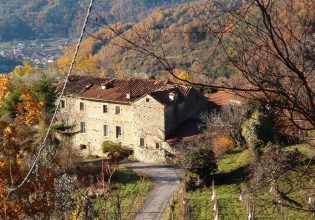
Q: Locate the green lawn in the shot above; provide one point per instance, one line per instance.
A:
(303, 148)
(234, 160)
(229, 180)
(229, 166)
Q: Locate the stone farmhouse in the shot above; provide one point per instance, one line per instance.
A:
(139, 114)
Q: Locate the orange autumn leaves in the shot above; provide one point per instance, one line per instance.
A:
(5, 86)
(20, 108)
(222, 144)
(30, 109)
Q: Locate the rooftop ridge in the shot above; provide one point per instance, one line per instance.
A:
(91, 87)
(166, 82)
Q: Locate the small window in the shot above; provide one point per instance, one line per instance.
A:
(82, 127)
(106, 130)
(105, 108)
(117, 110)
(157, 145)
(81, 106)
(142, 142)
(118, 132)
(147, 100)
(83, 147)
(62, 104)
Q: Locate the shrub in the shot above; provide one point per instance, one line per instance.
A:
(192, 181)
(226, 122)
(113, 150)
(262, 127)
(199, 163)
(250, 131)
(222, 144)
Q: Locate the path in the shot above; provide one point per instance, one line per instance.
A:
(166, 180)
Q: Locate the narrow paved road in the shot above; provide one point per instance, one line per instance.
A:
(166, 180)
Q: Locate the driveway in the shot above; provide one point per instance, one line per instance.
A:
(166, 180)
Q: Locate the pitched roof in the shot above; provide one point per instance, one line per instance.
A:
(90, 87)
(224, 97)
(221, 97)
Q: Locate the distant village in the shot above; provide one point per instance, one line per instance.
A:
(38, 52)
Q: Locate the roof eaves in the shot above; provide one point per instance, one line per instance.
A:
(106, 101)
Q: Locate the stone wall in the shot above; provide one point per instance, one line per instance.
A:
(149, 122)
(143, 119)
(149, 155)
(146, 118)
(194, 105)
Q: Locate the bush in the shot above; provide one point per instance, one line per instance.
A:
(250, 131)
(193, 181)
(222, 144)
(199, 163)
(262, 127)
(226, 122)
(113, 150)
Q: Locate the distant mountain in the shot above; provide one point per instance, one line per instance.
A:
(27, 19)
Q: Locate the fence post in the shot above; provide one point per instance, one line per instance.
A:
(213, 198)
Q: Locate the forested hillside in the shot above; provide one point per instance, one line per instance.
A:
(177, 33)
(21, 19)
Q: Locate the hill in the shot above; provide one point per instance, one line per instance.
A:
(179, 31)
(20, 19)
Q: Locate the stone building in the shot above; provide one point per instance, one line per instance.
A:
(139, 114)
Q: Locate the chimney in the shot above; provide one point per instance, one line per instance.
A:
(172, 96)
(128, 95)
(107, 85)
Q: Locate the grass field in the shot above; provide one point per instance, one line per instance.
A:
(229, 178)
(129, 190)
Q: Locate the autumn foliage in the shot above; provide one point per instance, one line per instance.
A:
(5, 86)
(30, 110)
(23, 106)
(222, 144)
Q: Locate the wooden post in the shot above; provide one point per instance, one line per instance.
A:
(213, 198)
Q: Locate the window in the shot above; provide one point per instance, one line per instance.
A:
(105, 108)
(81, 106)
(147, 100)
(157, 145)
(82, 127)
(62, 103)
(106, 130)
(83, 147)
(117, 110)
(142, 142)
(118, 131)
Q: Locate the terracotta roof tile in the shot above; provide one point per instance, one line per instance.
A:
(221, 97)
(90, 87)
(224, 97)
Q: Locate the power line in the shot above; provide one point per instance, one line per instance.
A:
(42, 145)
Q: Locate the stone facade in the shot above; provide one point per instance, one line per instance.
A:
(142, 125)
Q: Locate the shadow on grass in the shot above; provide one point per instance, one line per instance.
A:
(235, 151)
(91, 172)
(125, 176)
(234, 177)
